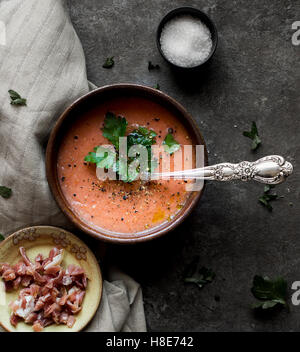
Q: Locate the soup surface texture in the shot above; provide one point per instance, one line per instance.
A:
(114, 205)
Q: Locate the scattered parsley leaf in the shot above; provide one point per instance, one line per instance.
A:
(269, 292)
(170, 144)
(253, 134)
(16, 98)
(109, 62)
(114, 128)
(5, 192)
(268, 188)
(157, 86)
(152, 67)
(199, 276)
(2, 238)
(267, 197)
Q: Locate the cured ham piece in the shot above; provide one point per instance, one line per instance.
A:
(20, 268)
(24, 256)
(37, 327)
(7, 272)
(74, 270)
(14, 319)
(49, 294)
(55, 258)
(71, 321)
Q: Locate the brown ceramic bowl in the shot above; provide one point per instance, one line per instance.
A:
(86, 103)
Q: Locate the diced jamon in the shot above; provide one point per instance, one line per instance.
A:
(55, 258)
(8, 274)
(71, 321)
(24, 256)
(20, 269)
(26, 280)
(37, 327)
(14, 319)
(74, 270)
(49, 294)
(31, 318)
(52, 270)
(17, 282)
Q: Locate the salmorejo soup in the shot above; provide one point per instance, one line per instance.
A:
(126, 205)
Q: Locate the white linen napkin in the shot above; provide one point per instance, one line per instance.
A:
(42, 59)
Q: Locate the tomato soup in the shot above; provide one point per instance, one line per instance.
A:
(114, 205)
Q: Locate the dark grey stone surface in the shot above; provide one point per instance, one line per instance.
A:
(255, 75)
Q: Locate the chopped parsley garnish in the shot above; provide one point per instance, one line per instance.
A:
(114, 128)
(170, 144)
(157, 86)
(109, 62)
(15, 98)
(199, 276)
(151, 66)
(253, 134)
(5, 192)
(2, 238)
(267, 197)
(269, 292)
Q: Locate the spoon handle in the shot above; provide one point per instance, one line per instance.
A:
(271, 170)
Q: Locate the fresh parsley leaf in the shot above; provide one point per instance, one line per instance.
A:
(145, 137)
(109, 62)
(199, 276)
(114, 128)
(269, 292)
(108, 158)
(126, 172)
(141, 136)
(132, 171)
(152, 67)
(16, 98)
(170, 144)
(267, 197)
(253, 134)
(102, 157)
(157, 86)
(2, 238)
(5, 192)
(268, 188)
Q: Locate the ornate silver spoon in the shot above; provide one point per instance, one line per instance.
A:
(271, 170)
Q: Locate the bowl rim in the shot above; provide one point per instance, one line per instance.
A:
(196, 12)
(52, 178)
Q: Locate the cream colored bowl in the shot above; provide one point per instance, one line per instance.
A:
(41, 239)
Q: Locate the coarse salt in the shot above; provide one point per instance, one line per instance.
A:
(186, 41)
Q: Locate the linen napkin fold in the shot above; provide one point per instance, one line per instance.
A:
(42, 59)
